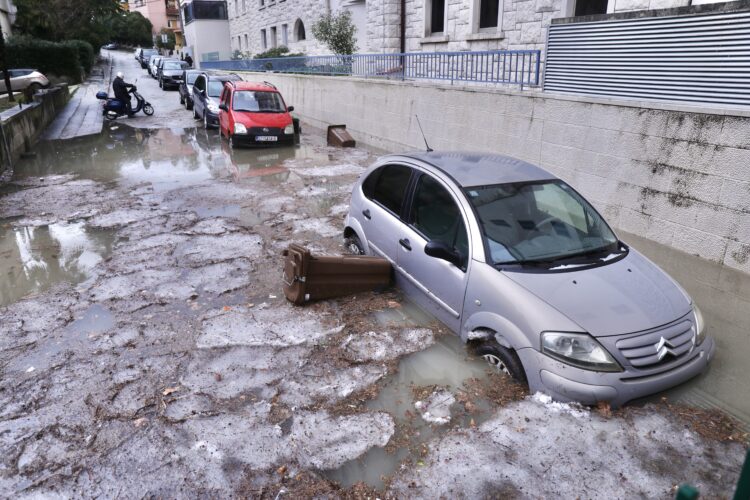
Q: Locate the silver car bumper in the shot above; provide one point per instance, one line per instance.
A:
(567, 383)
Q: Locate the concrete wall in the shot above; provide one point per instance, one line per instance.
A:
(20, 128)
(679, 176)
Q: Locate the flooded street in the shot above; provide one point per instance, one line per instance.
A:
(146, 347)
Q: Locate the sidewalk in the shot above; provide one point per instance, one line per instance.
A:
(83, 114)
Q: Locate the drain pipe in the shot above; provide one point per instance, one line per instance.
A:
(403, 26)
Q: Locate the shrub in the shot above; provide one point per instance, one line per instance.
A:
(280, 51)
(51, 58)
(85, 53)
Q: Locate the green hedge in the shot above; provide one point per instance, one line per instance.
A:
(63, 59)
(85, 53)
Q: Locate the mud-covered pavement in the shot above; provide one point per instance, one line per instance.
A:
(146, 350)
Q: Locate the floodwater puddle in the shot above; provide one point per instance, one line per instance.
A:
(446, 365)
(34, 258)
(723, 295)
(245, 216)
(95, 320)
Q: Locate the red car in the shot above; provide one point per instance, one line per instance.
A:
(253, 114)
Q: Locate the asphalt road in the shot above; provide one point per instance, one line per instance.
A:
(169, 113)
(82, 116)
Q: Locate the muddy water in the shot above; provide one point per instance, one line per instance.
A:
(34, 258)
(723, 295)
(445, 365)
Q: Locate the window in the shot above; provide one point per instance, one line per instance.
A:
(284, 35)
(299, 30)
(437, 16)
(236, 8)
(590, 7)
(437, 217)
(239, 42)
(204, 9)
(258, 102)
(224, 96)
(263, 42)
(390, 187)
(244, 6)
(543, 221)
(262, 3)
(247, 42)
(273, 36)
(200, 83)
(215, 87)
(488, 13)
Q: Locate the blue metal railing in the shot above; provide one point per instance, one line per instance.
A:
(519, 67)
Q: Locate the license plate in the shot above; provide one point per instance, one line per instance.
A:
(266, 138)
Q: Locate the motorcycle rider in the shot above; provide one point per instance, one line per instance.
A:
(122, 92)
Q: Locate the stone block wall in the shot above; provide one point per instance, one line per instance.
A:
(523, 26)
(248, 17)
(676, 175)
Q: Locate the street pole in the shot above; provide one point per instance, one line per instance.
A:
(4, 67)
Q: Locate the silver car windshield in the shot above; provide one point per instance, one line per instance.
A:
(540, 222)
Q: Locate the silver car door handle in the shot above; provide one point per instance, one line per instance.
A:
(405, 243)
(366, 213)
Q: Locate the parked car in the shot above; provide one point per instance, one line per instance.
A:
(518, 263)
(21, 79)
(170, 73)
(145, 56)
(186, 87)
(153, 64)
(206, 92)
(111, 46)
(254, 114)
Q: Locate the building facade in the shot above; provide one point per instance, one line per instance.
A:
(162, 14)
(206, 28)
(7, 17)
(428, 25)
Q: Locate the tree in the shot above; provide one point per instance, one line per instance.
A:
(58, 20)
(169, 44)
(337, 32)
(130, 28)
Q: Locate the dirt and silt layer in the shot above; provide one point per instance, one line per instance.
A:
(146, 349)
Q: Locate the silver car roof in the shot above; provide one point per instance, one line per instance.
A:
(482, 169)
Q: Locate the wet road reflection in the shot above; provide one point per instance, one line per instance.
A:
(34, 258)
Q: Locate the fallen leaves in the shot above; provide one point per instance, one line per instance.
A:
(170, 390)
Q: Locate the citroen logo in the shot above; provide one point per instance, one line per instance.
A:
(265, 129)
(664, 347)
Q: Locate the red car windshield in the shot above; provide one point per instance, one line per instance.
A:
(258, 102)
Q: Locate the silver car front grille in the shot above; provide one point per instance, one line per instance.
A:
(659, 346)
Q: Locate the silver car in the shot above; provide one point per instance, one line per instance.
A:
(21, 79)
(519, 264)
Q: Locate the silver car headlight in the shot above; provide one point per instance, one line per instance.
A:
(580, 350)
(700, 325)
(212, 107)
(240, 128)
(289, 129)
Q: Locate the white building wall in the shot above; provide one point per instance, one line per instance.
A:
(7, 17)
(522, 24)
(208, 40)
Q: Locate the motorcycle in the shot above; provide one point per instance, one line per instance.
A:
(115, 108)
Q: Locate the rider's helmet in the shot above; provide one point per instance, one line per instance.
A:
(119, 74)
